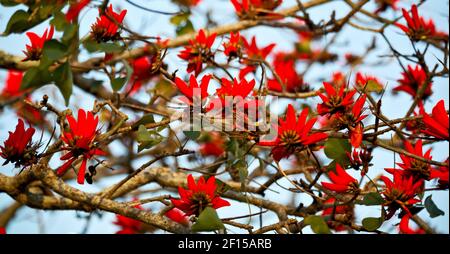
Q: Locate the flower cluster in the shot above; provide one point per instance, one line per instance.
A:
(34, 51)
(79, 142)
(107, 26)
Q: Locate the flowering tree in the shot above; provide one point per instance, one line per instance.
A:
(204, 131)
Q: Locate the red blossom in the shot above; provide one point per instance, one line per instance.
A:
(12, 89)
(79, 140)
(198, 196)
(232, 48)
(2, 231)
(12, 84)
(420, 29)
(285, 70)
(18, 148)
(198, 52)
(194, 89)
(75, 9)
(143, 70)
(412, 167)
(334, 101)
(128, 225)
(342, 182)
(360, 158)
(293, 134)
(437, 124)
(405, 229)
(442, 174)
(178, 216)
(106, 27)
(235, 88)
(34, 51)
(254, 8)
(214, 146)
(413, 80)
(401, 192)
(253, 55)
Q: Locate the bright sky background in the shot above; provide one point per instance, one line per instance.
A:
(350, 40)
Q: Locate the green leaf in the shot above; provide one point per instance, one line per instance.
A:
(17, 23)
(186, 28)
(149, 118)
(93, 46)
(336, 149)
(318, 224)
(208, 220)
(118, 83)
(371, 223)
(53, 50)
(70, 32)
(372, 198)
(35, 77)
(8, 3)
(432, 209)
(373, 86)
(147, 139)
(242, 167)
(192, 134)
(59, 21)
(180, 18)
(64, 80)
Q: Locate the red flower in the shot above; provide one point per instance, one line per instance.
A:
(79, 140)
(385, 4)
(198, 51)
(235, 88)
(214, 146)
(342, 181)
(2, 231)
(128, 225)
(334, 101)
(412, 167)
(253, 8)
(232, 48)
(75, 9)
(354, 122)
(253, 55)
(345, 210)
(18, 148)
(361, 158)
(418, 28)
(401, 192)
(293, 134)
(437, 124)
(106, 26)
(143, 70)
(405, 229)
(178, 216)
(441, 173)
(416, 125)
(413, 80)
(34, 51)
(12, 89)
(288, 75)
(198, 196)
(193, 89)
(370, 82)
(12, 84)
